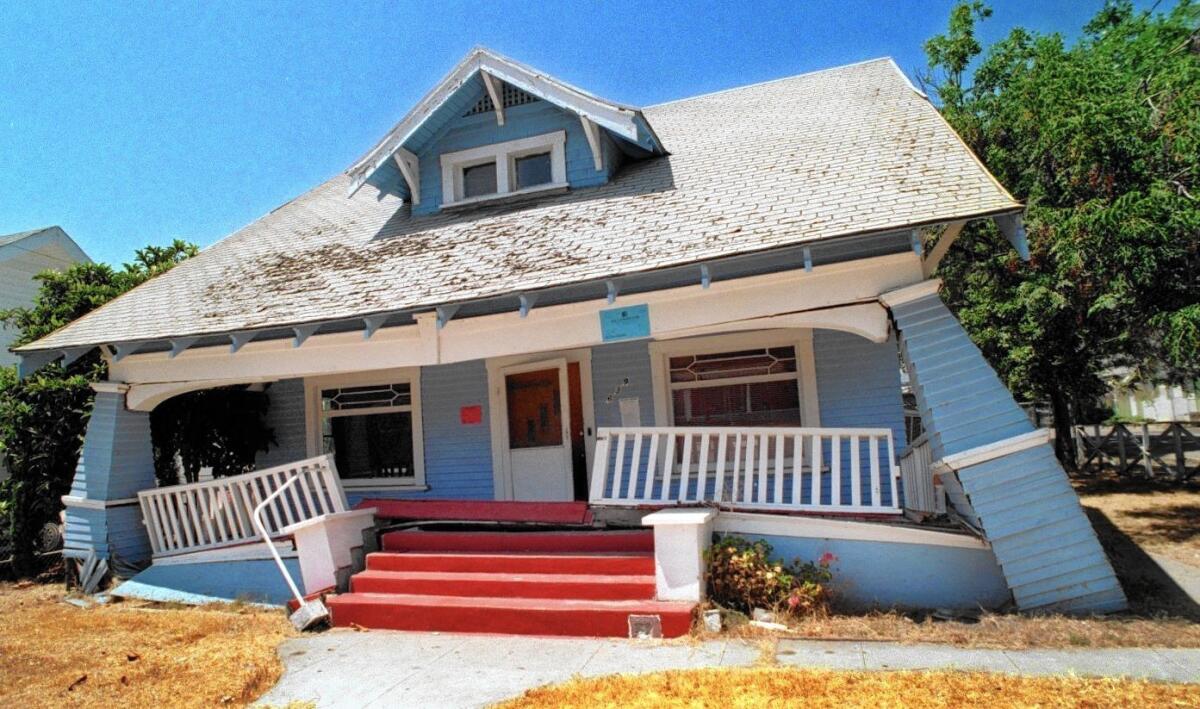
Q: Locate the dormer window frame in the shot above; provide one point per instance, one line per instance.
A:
(505, 156)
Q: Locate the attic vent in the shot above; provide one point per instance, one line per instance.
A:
(512, 97)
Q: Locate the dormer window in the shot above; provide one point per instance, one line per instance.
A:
(479, 180)
(512, 168)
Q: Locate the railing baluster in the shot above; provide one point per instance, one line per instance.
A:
(151, 521)
(668, 468)
(779, 451)
(619, 467)
(875, 488)
(199, 518)
(764, 443)
(635, 465)
(748, 471)
(702, 469)
(797, 469)
(719, 473)
(817, 464)
(735, 484)
(835, 470)
(855, 472)
(651, 468)
(685, 469)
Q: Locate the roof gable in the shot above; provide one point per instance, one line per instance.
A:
(469, 81)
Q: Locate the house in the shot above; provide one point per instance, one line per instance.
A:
(22, 256)
(528, 305)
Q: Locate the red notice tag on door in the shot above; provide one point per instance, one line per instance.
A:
(471, 414)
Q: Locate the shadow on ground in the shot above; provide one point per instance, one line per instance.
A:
(1151, 592)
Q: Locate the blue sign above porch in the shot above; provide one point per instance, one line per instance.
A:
(625, 323)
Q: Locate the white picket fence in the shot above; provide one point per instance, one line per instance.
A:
(217, 513)
(784, 469)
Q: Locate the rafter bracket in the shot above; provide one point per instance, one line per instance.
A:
(592, 132)
(410, 168)
(300, 333)
(445, 313)
(496, 93)
(371, 325)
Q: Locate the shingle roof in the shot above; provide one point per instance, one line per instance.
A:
(6, 239)
(843, 151)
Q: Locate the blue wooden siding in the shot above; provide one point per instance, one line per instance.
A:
(115, 463)
(458, 457)
(858, 386)
(612, 365)
(460, 132)
(1023, 501)
(918, 576)
(286, 419)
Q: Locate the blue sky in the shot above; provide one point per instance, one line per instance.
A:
(137, 123)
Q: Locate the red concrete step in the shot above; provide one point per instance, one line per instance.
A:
(519, 616)
(630, 563)
(506, 585)
(591, 541)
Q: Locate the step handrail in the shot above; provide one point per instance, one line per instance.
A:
(261, 525)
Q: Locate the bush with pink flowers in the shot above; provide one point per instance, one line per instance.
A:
(743, 576)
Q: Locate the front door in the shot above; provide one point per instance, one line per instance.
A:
(538, 427)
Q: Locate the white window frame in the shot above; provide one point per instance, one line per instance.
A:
(505, 155)
(806, 376)
(315, 417)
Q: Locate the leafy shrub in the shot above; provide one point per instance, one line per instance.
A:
(743, 576)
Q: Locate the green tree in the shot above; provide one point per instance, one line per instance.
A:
(1101, 140)
(43, 417)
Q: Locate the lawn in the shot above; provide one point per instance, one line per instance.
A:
(124, 654)
(811, 689)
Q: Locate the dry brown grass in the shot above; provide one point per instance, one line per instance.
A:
(777, 687)
(992, 630)
(55, 654)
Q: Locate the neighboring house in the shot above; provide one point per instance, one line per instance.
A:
(1133, 398)
(22, 256)
(526, 293)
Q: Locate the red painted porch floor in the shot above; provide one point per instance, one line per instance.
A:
(480, 511)
(584, 583)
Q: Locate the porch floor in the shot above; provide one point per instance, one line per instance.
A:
(563, 513)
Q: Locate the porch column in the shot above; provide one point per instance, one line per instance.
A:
(1008, 473)
(116, 462)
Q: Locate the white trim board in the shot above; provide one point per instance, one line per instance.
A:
(821, 528)
(88, 503)
(675, 311)
(992, 451)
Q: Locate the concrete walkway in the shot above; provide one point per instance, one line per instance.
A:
(343, 668)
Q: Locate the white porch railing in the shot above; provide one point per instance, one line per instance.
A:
(217, 513)
(785, 469)
(916, 475)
